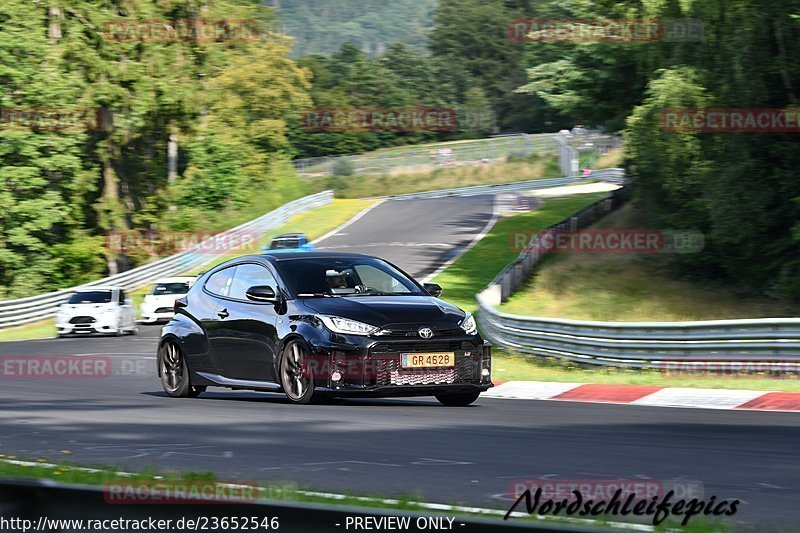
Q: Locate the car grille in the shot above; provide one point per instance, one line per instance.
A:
(387, 371)
(165, 310)
(82, 320)
(413, 347)
(405, 332)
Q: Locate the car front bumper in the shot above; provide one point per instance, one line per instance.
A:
(84, 327)
(370, 367)
(403, 391)
(151, 317)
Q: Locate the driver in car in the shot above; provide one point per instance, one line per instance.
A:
(338, 282)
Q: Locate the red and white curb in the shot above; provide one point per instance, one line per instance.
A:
(648, 395)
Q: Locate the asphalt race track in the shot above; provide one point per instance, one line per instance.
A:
(417, 235)
(471, 455)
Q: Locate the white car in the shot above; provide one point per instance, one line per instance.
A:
(160, 303)
(96, 310)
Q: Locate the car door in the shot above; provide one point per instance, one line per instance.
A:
(247, 336)
(117, 302)
(126, 312)
(211, 314)
(203, 301)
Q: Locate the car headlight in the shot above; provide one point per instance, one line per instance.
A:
(469, 325)
(347, 326)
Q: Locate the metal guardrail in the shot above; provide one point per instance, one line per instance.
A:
(773, 341)
(476, 190)
(609, 175)
(33, 308)
(37, 500)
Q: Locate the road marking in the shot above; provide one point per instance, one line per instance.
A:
(486, 229)
(650, 396)
(333, 232)
(705, 398)
(116, 354)
(608, 393)
(529, 390)
(774, 401)
(389, 244)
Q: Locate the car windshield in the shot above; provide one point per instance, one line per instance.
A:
(91, 297)
(284, 244)
(171, 288)
(345, 277)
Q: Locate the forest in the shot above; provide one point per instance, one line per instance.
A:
(229, 108)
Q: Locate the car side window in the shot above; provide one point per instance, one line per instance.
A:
(220, 282)
(376, 278)
(250, 275)
(122, 297)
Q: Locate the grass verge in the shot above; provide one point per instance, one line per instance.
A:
(386, 160)
(468, 275)
(364, 186)
(197, 483)
(37, 330)
(508, 365)
(631, 288)
(611, 159)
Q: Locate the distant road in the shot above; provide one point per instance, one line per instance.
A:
(416, 235)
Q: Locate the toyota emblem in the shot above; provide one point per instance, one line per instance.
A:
(425, 333)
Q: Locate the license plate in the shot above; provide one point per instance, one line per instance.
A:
(427, 360)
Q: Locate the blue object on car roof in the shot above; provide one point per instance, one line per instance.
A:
(289, 242)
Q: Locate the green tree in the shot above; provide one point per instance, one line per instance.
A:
(43, 175)
(243, 137)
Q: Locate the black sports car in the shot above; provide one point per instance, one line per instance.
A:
(317, 324)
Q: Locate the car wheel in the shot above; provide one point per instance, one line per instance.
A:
(296, 378)
(460, 399)
(119, 331)
(175, 374)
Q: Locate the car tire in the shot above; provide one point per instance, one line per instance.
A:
(174, 372)
(461, 399)
(295, 377)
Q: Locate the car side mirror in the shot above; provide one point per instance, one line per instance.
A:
(262, 293)
(434, 289)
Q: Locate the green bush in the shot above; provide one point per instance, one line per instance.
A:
(343, 167)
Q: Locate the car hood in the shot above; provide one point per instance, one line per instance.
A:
(381, 311)
(85, 309)
(162, 299)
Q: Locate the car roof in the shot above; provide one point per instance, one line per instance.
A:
(279, 257)
(288, 256)
(99, 288)
(275, 258)
(289, 236)
(181, 279)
